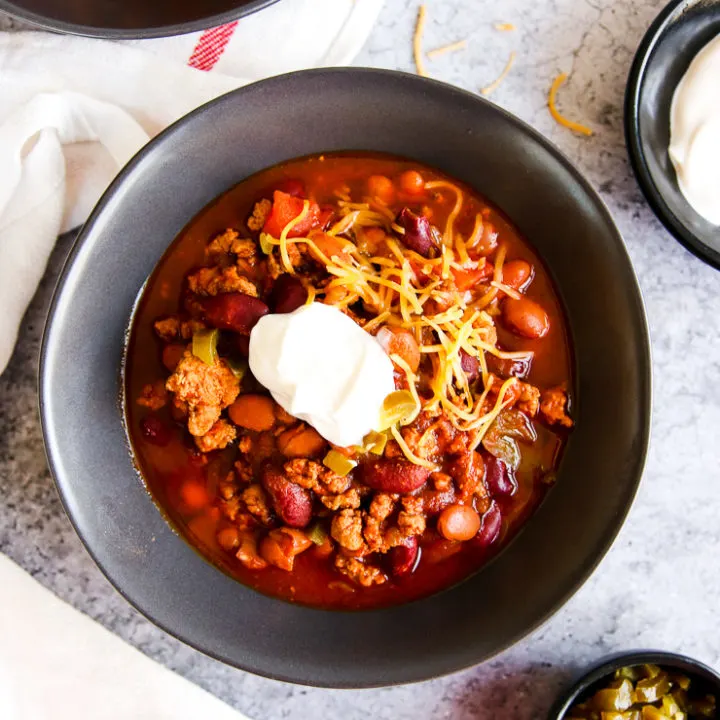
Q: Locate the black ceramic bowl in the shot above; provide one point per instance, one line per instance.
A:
(129, 18)
(176, 176)
(704, 680)
(681, 30)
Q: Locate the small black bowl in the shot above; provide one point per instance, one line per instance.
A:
(129, 18)
(681, 30)
(704, 679)
(176, 176)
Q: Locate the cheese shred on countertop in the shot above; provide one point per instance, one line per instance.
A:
(452, 47)
(417, 41)
(493, 86)
(561, 119)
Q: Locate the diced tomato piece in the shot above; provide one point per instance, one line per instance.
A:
(285, 209)
(466, 279)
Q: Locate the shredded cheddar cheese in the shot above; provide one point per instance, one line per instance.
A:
(417, 41)
(504, 27)
(284, 236)
(495, 84)
(452, 47)
(557, 116)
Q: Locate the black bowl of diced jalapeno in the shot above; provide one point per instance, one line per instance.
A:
(643, 685)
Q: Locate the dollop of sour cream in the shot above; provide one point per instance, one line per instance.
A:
(323, 368)
(695, 133)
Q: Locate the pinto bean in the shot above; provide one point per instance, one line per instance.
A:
(280, 547)
(458, 522)
(254, 412)
(418, 232)
(288, 294)
(412, 182)
(292, 504)
(394, 475)
(517, 274)
(525, 317)
(233, 311)
(403, 558)
(398, 341)
(301, 441)
(381, 187)
(229, 538)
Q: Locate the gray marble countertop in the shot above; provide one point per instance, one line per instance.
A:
(659, 584)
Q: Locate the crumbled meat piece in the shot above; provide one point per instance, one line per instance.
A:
(553, 407)
(248, 555)
(263, 447)
(245, 444)
(529, 401)
(167, 329)
(228, 487)
(154, 396)
(382, 506)
(411, 519)
(423, 444)
(231, 507)
(244, 470)
(274, 266)
(392, 450)
(260, 214)
(189, 327)
(206, 389)
(359, 571)
(230, 242)
(346, 529)
(312, 475)
(256, 502)
(219, 436)
(349, 499)
(216, 280)
(441, 481)
(468, 471)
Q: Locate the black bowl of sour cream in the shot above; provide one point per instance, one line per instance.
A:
(676, 59)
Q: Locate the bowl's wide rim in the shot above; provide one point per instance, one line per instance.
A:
(626, 658)
(638, 162)
(112, 33)
(643, 344)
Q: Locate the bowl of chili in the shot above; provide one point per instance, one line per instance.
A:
(433, 590)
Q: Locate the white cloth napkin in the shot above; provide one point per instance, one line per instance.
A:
(58, 664)
(73, 111)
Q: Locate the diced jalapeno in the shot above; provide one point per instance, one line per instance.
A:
(204, 345)
(339, 463)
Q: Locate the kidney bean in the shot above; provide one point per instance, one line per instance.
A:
(155, 431)
(458, 522)
(470, 365)
(435, 501)
(525, 317)
(292, 504)
(234, 311)
(418, 233)
(517, 274)
(288, 294)
(489, 528)
(404, 558)
(242, 344)
(499, 477)
(519, 368)
(394, 475)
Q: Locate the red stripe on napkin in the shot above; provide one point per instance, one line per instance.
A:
(210, 46)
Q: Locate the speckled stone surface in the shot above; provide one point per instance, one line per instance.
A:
(659, 584)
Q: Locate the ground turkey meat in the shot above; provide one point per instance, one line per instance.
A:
(172, 328)
(260, 214)
(154, 396)
(529, 401)
(411, 519)
(230, 242)
(359, 572)
(220, 435)
(468, 471)
(215, 280)
(349, 499)
(206, 390)
(313, 476)
(256, 502)
(346, 529)
(553, 407)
